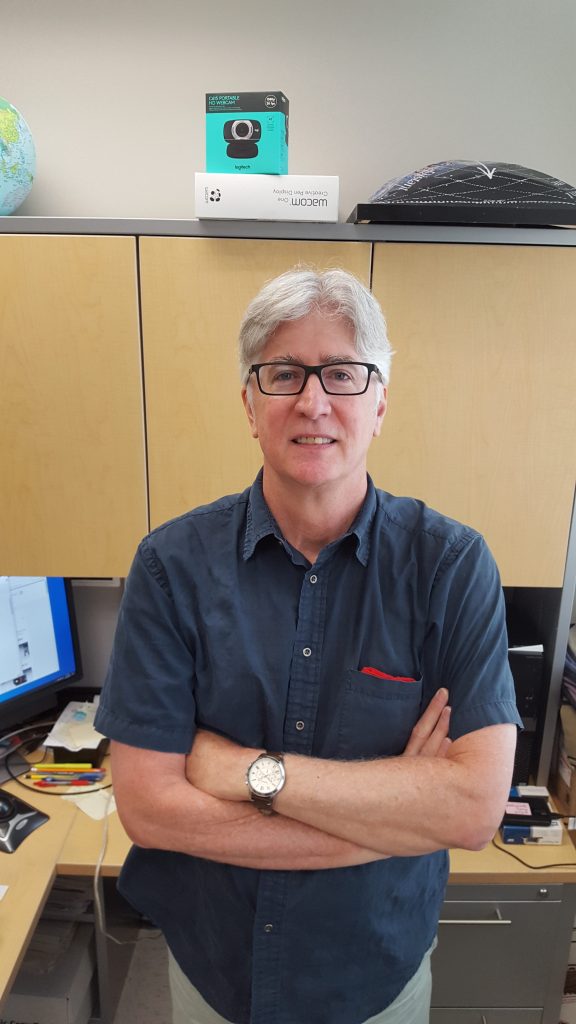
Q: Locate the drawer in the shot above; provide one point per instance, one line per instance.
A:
(458, 1015)
(495, 953)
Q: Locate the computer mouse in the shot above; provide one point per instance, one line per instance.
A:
(7, 806)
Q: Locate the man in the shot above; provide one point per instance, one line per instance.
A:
(305, 638)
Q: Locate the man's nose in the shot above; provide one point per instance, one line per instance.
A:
(313, 400)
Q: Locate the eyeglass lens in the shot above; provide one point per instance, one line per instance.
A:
(337, 378)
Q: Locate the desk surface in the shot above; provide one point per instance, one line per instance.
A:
(29, 873)
(71, 842)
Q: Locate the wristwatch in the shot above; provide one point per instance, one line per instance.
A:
(265, 778)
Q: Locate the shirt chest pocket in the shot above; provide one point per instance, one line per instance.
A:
(377, 715)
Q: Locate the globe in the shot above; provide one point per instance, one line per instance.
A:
(17, 159)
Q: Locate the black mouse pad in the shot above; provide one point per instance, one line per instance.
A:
(17, 820)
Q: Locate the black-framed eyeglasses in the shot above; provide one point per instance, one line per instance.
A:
(347, 378)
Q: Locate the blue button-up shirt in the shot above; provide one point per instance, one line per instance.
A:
(225, 626)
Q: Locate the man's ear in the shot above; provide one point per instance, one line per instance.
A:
(249, 411)
(380, 411)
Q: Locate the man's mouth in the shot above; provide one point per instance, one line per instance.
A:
(313, 439)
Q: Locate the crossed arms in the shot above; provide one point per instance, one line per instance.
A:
(438, 794)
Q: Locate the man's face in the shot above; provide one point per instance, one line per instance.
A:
(314, 439)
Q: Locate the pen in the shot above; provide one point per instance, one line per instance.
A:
(93, 776)
(44, 784)
(66, 778)
(54, 770)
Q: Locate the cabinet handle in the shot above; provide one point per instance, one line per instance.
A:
(480, 920)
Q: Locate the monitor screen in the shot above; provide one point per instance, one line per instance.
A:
(38, 652)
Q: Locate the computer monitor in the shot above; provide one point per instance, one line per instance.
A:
(38, 646)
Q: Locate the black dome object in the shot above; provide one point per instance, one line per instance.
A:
(467, 192)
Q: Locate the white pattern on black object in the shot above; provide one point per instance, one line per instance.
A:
(467, 192)
(17, 820)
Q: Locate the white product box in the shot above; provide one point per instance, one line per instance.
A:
(310, 197)
(62, 995)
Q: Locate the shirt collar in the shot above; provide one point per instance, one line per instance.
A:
(260, 522)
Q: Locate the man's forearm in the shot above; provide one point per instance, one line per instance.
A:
(177, 816)
(234, 833)
(438, 794)
(403, 807)
(430, 798)
(406, 806)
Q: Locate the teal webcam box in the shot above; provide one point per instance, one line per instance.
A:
(246, 133)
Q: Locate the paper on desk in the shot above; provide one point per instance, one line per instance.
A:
(96, 805)
(75, 730)
(3, 891)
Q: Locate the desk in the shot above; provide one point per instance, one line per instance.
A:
(29, 874)
(70, 843)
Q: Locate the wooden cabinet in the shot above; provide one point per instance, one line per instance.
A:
(72, 470)
(480, 419)
(481, 415)
(194, 292)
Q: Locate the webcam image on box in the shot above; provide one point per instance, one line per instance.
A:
(247, 133)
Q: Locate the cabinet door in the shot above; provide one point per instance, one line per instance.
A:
(194, 292)
(498, 952)
(73, 494)
(481, 413)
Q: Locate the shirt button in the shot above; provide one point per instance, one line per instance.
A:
(307, 652)
(313, 579)
(268, 927)
(299, 726)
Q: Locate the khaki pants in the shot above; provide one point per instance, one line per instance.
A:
(412, 1006)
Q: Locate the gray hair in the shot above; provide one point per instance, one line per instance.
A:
(295, 294)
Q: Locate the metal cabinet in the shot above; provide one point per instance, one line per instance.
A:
(502, 953)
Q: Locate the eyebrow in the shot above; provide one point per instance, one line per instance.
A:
(324, 359)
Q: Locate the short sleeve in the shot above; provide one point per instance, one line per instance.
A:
(467, 643)
(148, 697)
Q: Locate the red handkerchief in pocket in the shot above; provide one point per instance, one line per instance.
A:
(384, 675)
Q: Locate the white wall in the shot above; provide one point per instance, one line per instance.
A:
(114, 90)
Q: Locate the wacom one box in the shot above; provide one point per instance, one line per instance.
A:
(308, 197)
(247, 132)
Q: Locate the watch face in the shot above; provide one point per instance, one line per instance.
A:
(266, 776)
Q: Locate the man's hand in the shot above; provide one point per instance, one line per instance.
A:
(429, 737)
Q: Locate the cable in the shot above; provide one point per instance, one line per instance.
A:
(534, 867)
(99, 912)
(77, 791)
(17, 732)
